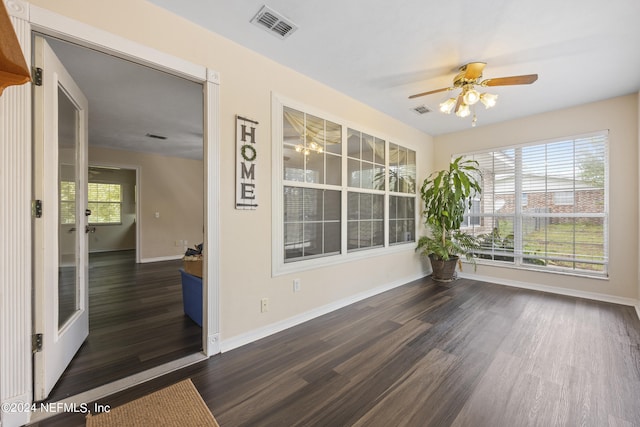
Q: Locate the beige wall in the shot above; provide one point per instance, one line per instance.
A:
(169, 185)
(620, 116)
(247, 81)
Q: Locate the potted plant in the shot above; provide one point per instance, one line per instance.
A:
(446, 195)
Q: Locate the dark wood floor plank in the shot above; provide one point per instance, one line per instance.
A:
(361, 365)
(465, 354)
(403, 402)
(136, 322)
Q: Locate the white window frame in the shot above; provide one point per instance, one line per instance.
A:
(279, 267)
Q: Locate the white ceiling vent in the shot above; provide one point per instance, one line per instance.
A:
(273, 22)
(421, 109)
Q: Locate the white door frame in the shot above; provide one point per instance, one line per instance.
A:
(52, 24)
(55, 25)
(16, 383)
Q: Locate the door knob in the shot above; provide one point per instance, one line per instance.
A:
(89, 229)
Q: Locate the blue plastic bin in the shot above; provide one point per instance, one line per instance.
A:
(192, 296)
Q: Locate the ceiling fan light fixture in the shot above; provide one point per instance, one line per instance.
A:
(463, 111)
(470, 96)
(488, 99)
(447, 106)
(468, 77)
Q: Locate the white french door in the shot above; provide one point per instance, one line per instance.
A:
(61, 315)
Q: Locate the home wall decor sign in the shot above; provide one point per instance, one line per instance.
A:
(246, 158)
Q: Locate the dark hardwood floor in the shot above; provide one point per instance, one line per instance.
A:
(467, 354)
(136, 322)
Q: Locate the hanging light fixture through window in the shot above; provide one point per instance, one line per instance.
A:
(312, 147)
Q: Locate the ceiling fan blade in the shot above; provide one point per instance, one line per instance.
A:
(473, 70)
(428, 93)
(513, 80)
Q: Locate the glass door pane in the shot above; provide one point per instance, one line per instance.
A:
(69, 215)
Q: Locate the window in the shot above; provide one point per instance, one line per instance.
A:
(344, 191)
(67, 202)
(105, 203)
(472, 216)
(560, 223)
(311, 222)
(312, 197)
(402, 201)
(366, 182)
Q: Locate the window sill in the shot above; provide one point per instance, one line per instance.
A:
(311, 264)
(598, 276)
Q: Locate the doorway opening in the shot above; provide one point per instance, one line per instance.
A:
(144, 215)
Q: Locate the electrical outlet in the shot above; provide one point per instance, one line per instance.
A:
(264, 305)
(296, 285)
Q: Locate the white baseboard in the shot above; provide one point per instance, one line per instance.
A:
(161, 258)
(265, 331)
(100, 251)
(554, 290)
(213, 345)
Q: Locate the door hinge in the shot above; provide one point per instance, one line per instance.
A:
(37, 76)
(36, 343)
(36, 208)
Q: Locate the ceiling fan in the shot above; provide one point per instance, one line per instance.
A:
(467, 79)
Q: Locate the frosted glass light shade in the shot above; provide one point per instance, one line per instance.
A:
(447, 106)
(488, 99)
(463, 111)
(471, 96)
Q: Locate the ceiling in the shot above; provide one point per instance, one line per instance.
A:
(380, 52)
(127, 101)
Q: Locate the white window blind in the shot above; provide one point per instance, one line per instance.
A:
(105, 203)
(67, 202)
(560, 222)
